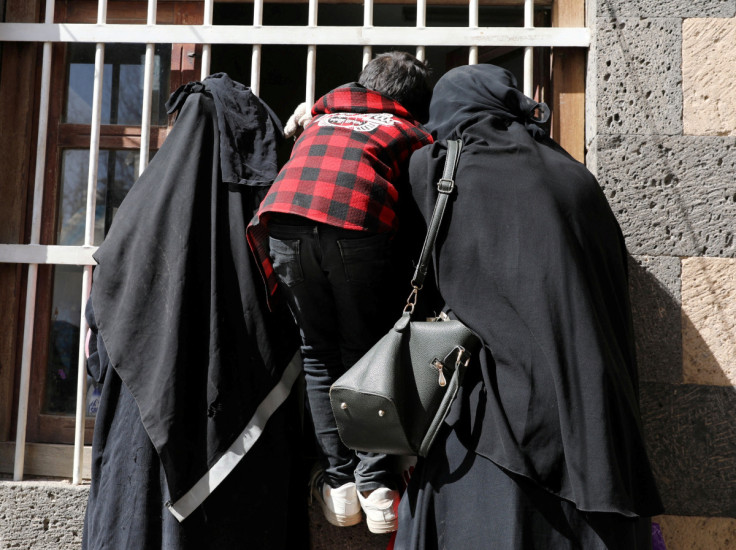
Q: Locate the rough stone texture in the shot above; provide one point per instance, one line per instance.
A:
(666, 8)
(639, 76)
(698, 533)
(41, 515)
(655, 302)
(673, 196)
(691, 440)
(708, 73)
(46, 515)
(709, 321)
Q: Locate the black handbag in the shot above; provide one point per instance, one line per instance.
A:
(395, 398)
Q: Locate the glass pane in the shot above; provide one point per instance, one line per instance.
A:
(61, 378)
(117, 171)
(122, 84)
(63, 363)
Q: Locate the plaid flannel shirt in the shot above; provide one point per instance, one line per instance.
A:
(343, 168)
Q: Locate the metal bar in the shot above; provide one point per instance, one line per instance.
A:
(255, 69)
(89, 235)
(368, 13)
(473, 21)
(151, 16)
(473, 55)
(146, 108)
(206, 55)
(528, 50)
(94, 145)
(101, 12)
(528, 14)
(311, 54)
(367, 23)
(312, 15)
(27, 350)
(255, 64)
(570, 37)
(421, 25)
(311, 70)
(147, 91)
(46, 254)
(209, 6)
(81, 409)
(257, 13)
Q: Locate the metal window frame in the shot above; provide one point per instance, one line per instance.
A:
(206, 34)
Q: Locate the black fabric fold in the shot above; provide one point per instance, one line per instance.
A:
(470, 93)
(175, 292)
(249, 130)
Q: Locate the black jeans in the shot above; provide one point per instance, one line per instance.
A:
(336, 283)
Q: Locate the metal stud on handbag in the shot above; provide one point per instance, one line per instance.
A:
(395, 398)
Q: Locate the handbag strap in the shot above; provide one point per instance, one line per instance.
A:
(445, 186)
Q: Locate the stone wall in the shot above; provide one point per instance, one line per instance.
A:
(661, 127)
(49, 515)
(41, 515)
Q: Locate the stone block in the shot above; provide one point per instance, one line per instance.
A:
(673, 196)
(697, 533)
(708, 74)
(639, 76)
(43, 515)
(691, 440)
(666, 8)
(654, 284)
(709, 321)
(38, 515)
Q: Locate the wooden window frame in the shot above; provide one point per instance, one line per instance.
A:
(43, 427)
(567, 92)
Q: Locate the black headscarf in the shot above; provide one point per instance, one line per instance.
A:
(249, 130)
(176, 295)
(480, 90)
(532, 259)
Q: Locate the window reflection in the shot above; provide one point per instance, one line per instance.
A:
(61, 379)
(122, 83)
(117, 171)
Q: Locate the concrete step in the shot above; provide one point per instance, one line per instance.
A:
(324, 536)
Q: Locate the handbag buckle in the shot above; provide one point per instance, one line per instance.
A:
(411, 301)
(463, 357)
(445, 185)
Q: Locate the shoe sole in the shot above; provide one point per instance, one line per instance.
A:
(382, 527)
(340, 520)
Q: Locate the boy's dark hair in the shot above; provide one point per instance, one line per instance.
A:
(403, 78)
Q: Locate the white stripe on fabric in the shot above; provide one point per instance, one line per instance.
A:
(227, 462)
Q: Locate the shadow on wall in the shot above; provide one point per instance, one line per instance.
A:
(690, 429)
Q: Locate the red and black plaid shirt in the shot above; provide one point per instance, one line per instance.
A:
(343, 167)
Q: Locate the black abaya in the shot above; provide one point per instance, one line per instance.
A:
(194, 444)
(533, 260)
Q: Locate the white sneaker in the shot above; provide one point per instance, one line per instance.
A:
(339, 505)
(380, 510)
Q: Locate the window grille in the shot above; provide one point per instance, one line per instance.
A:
(257, 35)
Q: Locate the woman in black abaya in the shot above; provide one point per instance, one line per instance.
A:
(195, 444)
(543, 447)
